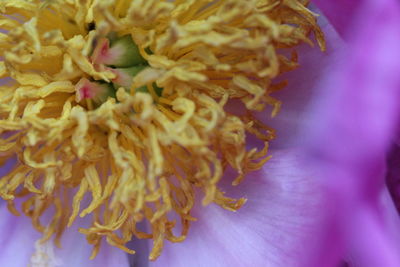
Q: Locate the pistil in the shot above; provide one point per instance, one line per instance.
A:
(121, 56)
(121, 52)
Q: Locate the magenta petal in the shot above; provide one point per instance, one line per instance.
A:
(358, 110)
(390, 218)
(393, 175)
(348, 16)
(340, 13)
(356, 119)
(276, 227)
(374, 240)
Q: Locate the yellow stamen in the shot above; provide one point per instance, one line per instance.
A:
(139, 156)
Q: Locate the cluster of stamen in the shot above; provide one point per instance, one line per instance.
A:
(93, 133)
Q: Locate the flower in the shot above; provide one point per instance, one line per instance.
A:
(132, 109)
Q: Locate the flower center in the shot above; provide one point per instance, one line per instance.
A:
(121, 111)
(121, 56)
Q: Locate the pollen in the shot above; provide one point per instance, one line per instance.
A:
(120, 110)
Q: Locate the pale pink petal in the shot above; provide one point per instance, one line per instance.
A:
(76, 251)
(277, 226)
(17, 239)
(302, 87)
(142, 248)
(18, 245)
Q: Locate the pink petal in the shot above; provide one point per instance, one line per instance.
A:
(357, 113)
(381, 232)
(276, 227)
(356, 120)
(390, 218)
(302, 87)
(393, 175)
(76, 251)
(341, 13)
(18, 238)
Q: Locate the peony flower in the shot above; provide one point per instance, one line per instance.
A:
(61, 156)
(120, 119)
